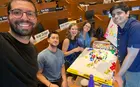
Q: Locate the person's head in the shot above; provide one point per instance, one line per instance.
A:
(53, 39)
(73, 31)
(120, 13)
(87, 28)
(22, 17)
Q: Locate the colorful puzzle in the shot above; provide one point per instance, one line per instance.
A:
(103, 45)
(99, 62)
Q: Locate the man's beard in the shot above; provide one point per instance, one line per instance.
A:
(21, 32)
(53, 46)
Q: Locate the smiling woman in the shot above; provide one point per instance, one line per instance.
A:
(86, 33)
(71, 47)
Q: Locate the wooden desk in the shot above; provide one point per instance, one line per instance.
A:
(50, 20)
(4, 26)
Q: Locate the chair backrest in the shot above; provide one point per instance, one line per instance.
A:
(40, 27)
(3, 2)
(61, 21)
(99, 33)
(89, 14)
(60, 45)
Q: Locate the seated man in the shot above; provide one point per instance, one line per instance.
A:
(51, 64)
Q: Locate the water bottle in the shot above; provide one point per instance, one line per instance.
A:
(80, 19)
(39, 1)
(47, 0)
(91, 81)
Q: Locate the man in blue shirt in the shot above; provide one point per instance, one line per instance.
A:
(128, 41)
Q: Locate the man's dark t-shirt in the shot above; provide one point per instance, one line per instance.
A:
(18, 63)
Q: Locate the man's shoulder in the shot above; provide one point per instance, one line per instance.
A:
(2, 34)
(133, 22)
(135, 26)
(59, 50)
(43, 51)
(43, 54)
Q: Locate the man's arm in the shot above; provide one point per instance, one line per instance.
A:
(42, 78)
(130, 57)
(64, 78)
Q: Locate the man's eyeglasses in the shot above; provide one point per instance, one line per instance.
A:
(17, 13)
